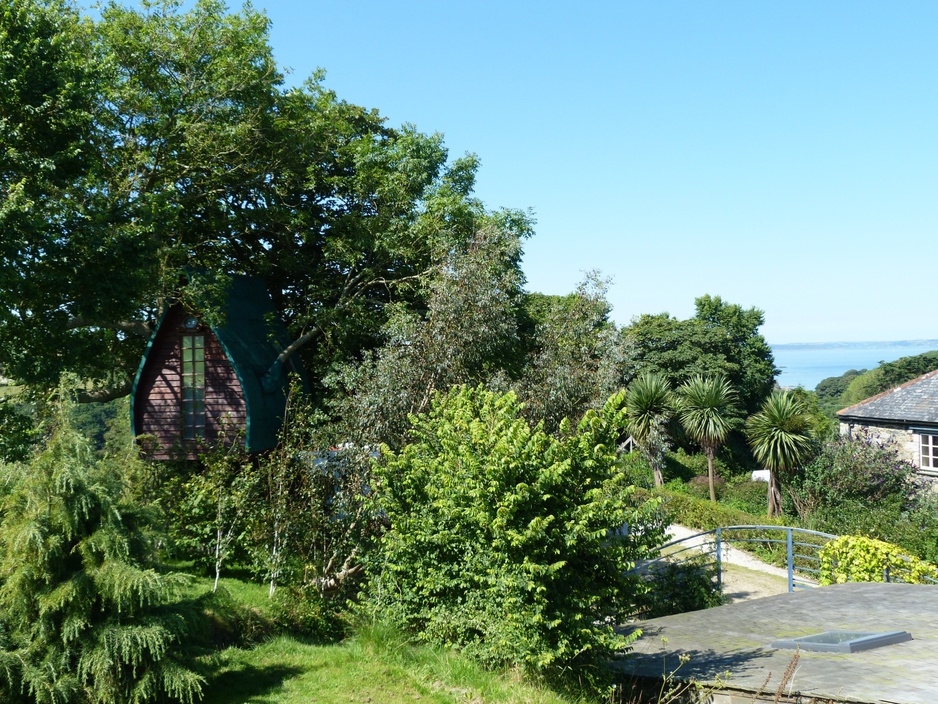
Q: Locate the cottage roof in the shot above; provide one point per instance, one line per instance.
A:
(915, 401)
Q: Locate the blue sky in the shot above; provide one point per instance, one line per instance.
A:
(782, 155)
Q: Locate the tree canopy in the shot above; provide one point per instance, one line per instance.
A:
(722, 339)
(155, 139)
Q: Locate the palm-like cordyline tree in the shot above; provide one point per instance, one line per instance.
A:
(706, 408)
(780, 438)
(649, 405)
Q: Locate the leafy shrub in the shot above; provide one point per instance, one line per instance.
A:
(675, 588)
(746, 495)
(854, 469)
(702, 514)
(683, 466)
(851, 558)
(637, 470)
(699, 486)
(500, 536)
(858, 487)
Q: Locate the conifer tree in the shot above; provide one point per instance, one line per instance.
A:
(83, 617)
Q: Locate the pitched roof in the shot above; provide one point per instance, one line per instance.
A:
(915, 401)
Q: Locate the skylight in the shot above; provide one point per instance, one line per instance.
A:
(843, 641)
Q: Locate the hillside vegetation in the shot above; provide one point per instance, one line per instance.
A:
(853, 386)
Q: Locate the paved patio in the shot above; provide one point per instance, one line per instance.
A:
(736, 639)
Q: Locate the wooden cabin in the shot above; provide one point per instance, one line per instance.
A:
(200, 382)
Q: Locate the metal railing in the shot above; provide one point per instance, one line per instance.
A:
(795, 548)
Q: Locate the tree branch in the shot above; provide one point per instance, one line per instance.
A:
(138, 328)
(105, 395)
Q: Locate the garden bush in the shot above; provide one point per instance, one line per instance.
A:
(84, 614)
(746, 495)
(852, 558)
(501, 535)
(675, 588)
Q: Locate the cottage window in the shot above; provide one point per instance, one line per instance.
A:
(929, 454)
(193, 386)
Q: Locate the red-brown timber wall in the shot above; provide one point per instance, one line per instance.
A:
(159, 394)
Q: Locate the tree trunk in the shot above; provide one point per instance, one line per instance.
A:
(713, 492)
(659, 477)
(775, 495)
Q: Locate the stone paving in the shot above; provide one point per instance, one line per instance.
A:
(731, 644)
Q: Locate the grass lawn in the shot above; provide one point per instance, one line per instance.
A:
(376, 665)
(371, 667)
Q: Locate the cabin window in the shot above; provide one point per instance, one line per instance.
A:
(929, 447)
(193, 386)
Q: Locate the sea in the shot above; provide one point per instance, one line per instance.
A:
(806, 364)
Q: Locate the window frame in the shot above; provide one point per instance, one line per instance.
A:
(928, 452)
(192, 384)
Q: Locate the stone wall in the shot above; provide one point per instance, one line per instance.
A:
(901, 439)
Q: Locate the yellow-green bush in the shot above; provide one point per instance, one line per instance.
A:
(854, 558)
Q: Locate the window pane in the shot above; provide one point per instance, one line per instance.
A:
(186, 342)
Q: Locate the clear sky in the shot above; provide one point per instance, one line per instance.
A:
(782, 155)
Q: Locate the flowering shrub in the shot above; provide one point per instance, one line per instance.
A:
(854, 471)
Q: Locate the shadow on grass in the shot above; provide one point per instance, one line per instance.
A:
(237, 686)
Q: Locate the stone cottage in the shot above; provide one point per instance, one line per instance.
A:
(906, 415)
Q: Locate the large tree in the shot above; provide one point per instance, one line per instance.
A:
(157, 139)
(722, 339)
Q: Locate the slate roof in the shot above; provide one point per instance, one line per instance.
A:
(913, 402)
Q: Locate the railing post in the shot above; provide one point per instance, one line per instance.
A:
(791, 562)
(719, 560)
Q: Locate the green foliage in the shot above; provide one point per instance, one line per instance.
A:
(687, 510)
(888, 375)
(706, 407)
(649, 405)
(500, 536)
(162, 137)
(722, 339)
(216, 503)
(858, 473)
(746, 495)
(311, 521)
(852, 558)
(676, 588)
(780, 436)
(467, 334)
(84, 615)
(857, 486)
(573, 358)
(17, 431)
(830, 391)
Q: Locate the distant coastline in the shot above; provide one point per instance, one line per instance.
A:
(807, 363)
